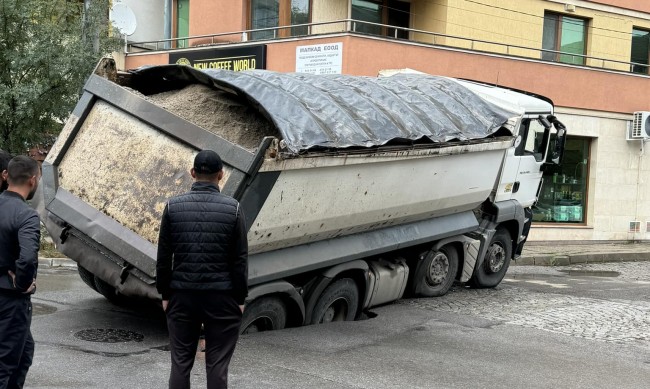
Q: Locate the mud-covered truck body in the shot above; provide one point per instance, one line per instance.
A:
(356, 190)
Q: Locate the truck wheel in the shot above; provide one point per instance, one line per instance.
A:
(496, 261)
(87, 277)
(109, 292)
(264, 314)
(338, 302)
(436, 273)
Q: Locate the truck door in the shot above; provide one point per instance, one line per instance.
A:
(521, 173)
(531, 152)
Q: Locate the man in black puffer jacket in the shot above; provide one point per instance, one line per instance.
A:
(202, 273)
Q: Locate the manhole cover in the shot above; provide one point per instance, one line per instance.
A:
(42, 309)
(109, 335)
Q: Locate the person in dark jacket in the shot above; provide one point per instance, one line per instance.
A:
(19, 243)
(5, 157)
(202, 273)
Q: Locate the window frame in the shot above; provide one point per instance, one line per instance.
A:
(558, 37)
(384, 4)
(284, 18)
(647, 66)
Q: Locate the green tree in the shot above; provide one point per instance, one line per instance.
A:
(47, 50)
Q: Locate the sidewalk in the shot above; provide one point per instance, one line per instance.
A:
(563, 253)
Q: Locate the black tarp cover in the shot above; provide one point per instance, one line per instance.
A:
(340, 111)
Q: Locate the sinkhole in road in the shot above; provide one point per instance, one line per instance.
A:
(365, 315)
(565, 273)
(109, 335)
(591, 273)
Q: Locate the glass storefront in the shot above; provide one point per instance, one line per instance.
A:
(563, 197)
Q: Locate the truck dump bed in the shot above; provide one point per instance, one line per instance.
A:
(328, 167)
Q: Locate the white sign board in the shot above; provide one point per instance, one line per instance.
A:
(320, 59)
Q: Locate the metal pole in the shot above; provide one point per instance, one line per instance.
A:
(168, 24)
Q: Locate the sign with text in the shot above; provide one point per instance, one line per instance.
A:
(232, 58)
(320, 59)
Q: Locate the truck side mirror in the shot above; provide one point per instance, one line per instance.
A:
(558, 150)
(544, 122)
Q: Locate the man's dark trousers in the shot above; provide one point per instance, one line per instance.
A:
(221, 318)
(16, 342)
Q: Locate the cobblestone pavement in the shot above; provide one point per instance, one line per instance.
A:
(513, 303)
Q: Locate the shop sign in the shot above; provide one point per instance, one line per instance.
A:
(232, 58)
(320, 59)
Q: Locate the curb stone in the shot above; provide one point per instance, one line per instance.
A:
(57, 262)
(566, 260)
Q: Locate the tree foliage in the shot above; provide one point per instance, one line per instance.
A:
(47, 50)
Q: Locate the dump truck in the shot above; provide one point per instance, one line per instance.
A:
(356, 190)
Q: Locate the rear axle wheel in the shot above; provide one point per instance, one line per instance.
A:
(436, 272)
(264, 314)
(339, 302)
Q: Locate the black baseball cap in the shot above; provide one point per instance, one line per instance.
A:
(207, 162)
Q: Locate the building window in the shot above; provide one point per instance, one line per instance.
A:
(567, 35)
(563, 197)
(640, 50)
(299, 15)
(387, 12)
(182, 22)
(276, 13)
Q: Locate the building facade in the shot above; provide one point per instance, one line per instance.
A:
(590, 57)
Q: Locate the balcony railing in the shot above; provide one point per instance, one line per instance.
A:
(419, 36)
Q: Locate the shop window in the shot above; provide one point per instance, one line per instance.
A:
(276, 13)
(386, 12)
(640, 50)
(567, 35)
(563, 197)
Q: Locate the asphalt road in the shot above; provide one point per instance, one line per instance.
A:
(582, 327)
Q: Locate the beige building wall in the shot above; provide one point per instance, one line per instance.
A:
(327, 11)
(520, 23)
(428, 15)
(497, 23)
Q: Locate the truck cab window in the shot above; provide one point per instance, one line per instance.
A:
(533, 142)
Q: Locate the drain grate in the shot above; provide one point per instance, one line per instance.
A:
(109, 335)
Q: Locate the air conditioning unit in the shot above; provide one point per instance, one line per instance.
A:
(639, 129)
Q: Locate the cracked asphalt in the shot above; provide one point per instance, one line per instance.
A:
(580, 326)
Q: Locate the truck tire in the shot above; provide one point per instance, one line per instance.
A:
(264, 314)
(106, 290)
(338, 302)
(496, 261)
(87, 277)
(436, 273)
